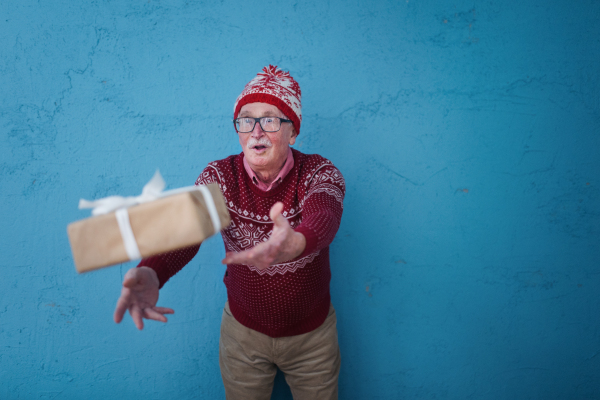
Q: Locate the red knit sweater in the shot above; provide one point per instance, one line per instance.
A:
(285, 299)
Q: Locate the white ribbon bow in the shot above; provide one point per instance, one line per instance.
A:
(152, 190)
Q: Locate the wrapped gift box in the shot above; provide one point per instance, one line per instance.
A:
(158, 226)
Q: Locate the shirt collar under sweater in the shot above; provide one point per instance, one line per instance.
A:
(287, 167)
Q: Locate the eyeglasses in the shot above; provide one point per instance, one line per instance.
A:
(267, 124)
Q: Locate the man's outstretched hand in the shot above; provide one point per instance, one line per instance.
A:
(139, 295)
(284, 244)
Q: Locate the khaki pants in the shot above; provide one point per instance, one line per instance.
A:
(249, 361)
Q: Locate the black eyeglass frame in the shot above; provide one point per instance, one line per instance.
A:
(261, 127)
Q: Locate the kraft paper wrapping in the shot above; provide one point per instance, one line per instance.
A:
(159, 226)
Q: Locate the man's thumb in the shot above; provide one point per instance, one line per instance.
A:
(131, 278)
(275, 214)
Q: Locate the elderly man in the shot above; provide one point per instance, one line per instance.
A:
(286, 208)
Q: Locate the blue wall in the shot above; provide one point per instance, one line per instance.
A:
(466, 265)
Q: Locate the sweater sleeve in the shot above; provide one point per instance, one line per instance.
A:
(322, 209)
(166, 265)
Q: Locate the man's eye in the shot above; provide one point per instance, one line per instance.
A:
(247, 120)
(268, 120)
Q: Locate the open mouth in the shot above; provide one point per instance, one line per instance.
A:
(260, 146)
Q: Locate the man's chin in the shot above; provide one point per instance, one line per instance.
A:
(255, 159)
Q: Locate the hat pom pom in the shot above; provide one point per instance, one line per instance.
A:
(274, 72)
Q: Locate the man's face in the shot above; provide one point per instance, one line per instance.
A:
(266, 152)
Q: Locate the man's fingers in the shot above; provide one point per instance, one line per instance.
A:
(164, 310)
(136, 316)
(228, 257)
(149, 313)
(249, 257)
(262, 266)
(235, 258)
(120, 309)
(243, 257)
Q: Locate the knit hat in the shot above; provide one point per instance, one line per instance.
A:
(276, 87)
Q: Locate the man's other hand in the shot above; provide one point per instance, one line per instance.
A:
(284, 244)
(139, 295)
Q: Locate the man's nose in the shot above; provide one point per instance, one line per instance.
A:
(257, 131)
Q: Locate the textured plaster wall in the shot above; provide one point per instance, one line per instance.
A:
(466, 265)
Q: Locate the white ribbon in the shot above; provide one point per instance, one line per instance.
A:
(131, 247)
(152, 190)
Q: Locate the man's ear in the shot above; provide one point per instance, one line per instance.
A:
(294, 136)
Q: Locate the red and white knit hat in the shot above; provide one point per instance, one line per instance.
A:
(276, 87)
